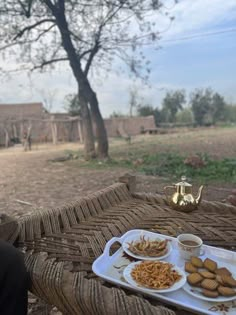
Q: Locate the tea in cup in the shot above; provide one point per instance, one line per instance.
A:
(189, 245)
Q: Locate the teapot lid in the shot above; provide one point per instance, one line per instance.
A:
(183, 182)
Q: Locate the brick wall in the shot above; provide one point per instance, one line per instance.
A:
(130, 125)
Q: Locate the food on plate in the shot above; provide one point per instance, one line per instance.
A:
(213, 281)
(223, 271)
(210, 294)
(155, 275)
(196, 262)
(146, 247)
(226, 291)
(227, 280)
(219, 279)
(194, 278)
(210, 264)
(189, 267)
(209, 284)
(207, 274)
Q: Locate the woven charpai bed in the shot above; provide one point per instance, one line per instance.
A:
(61, 244)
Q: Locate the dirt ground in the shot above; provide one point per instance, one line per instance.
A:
(28, 180)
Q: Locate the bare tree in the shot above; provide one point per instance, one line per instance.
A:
(83, 33)
(48, 97)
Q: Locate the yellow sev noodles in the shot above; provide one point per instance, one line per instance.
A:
(155, 274)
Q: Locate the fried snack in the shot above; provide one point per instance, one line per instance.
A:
(207, 274)
(196, 262)
(210, 294)
(225, 291)
(219, 279)
(210, 265)
(228, 281)
(215, 281)
(155, 275)
(145, 247)
(190, 268)
(223, 271)
(209, 284)
(194, 278)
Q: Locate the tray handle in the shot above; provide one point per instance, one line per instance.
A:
(106, 251)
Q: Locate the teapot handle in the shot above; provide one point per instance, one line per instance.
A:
(166, 189)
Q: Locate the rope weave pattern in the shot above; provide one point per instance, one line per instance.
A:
(61, 245)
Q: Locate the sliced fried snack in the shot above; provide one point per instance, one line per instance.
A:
(196, 262)
(228, 281)
(211, 294)
(226, 291)
(194, 278)
(210, 265)
(190, 268)
(149, 248)
(209, 284)
(207, 274)
(219, 279)
(223, 271)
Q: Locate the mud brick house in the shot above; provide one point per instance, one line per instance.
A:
(131, 126)
(16, 119)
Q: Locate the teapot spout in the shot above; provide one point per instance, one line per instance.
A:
(199, 196)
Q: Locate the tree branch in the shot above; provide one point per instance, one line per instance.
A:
(96, 47)
(77, 37)
(26, 11)
(85, 53)
(91, 56)
(44, 32)
(49, 4)
(30, 27)
(48, 62)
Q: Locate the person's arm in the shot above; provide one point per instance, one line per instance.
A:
(9, 228)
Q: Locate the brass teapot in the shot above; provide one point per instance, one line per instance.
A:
(182, 199)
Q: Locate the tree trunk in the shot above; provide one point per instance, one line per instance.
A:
(85, 92)
(88, 136)
(101, 133)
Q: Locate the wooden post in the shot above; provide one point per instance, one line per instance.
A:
(14, 131)
(27, 139)
(6, 138)
(130, 181)
(54, 131)
(21, 130)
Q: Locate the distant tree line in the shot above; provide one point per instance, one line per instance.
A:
(205, 107)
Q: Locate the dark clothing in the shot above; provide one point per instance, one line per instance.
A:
(13, 281)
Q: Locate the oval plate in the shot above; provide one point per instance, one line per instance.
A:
(152, 237)
(196, 292)
(174, 287)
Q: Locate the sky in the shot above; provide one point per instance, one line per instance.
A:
(197, 51)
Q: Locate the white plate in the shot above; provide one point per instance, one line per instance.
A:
(152, 237)
(196, 292)
(130, 280)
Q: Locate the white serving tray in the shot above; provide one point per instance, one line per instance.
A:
(111, 269)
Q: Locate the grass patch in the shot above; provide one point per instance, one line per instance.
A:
(169, 165)
(173, 166)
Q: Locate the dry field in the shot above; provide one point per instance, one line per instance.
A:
(30, 176)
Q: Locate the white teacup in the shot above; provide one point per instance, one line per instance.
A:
(189, 245)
